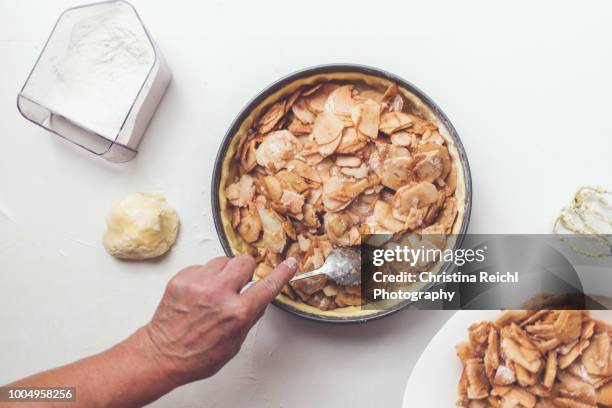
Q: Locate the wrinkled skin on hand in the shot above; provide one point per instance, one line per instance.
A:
(203, 319)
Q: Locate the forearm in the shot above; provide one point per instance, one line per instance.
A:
(198, 326)
(127, 375)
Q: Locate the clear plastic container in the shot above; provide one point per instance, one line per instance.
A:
(118, 139)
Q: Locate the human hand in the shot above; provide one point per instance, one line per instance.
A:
(203, 318)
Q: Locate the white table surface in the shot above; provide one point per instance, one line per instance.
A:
(527, 85)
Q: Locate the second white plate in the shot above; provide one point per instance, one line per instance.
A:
(433, 382)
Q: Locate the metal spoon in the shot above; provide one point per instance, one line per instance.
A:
(343, 266)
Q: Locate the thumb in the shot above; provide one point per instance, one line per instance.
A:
(265, 290)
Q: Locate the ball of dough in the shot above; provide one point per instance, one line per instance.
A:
(141, 226)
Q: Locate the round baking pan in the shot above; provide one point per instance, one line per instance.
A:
(332, 69)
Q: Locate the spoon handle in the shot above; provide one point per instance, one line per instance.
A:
(247, 286)
(320, 271)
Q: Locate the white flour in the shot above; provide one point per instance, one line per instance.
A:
(98, 77)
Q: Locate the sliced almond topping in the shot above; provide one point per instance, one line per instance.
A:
(392, 122)
(289, 230)
(574, 387)
(390, 92)
(274, 188)
(513, 316)
(551, 369)
(310, 216)
(298, 128)
(533, 317)
(241, 192)
(604, 395)
(428, 166)
(383, 214)
(401, 138)
(292, 181)
(396, 104)
(235, 217)
(339, 192)
(569, 325)
(443, 156)
(521, 336)
(329, 148)
(276, 150)
(366, 117)
(303, 243)
(371, 94)
(271, 117)
(463, 400)
(519, 397)
(274, 237)
(343, 298)
(478, 386)
(504, 376)
(415, 218)
(524, 377)
(302, 113)
(351, 142)
(340, 229)
(308, 286)
(421, 126)
(570, 403)
(479, 335)
(397, 172)
(465, 351)
(316, 101)
(340, 101)
(248, 160)
(491, 357)
(398, 151)
(596, 357)
(304, 170)
(292, 201)
(520, 356)
(500, 390)
(312, 174)
(331, 289)
(548, 345)
(327, 128)
(546, 331)
(292, 100)
(539, 391)
(587, 330)
(448, 215)
(569, 358)
(348, 161)
(415, 196)
(358, 173)
(249, 227)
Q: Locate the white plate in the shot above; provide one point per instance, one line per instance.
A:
(433, 382)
